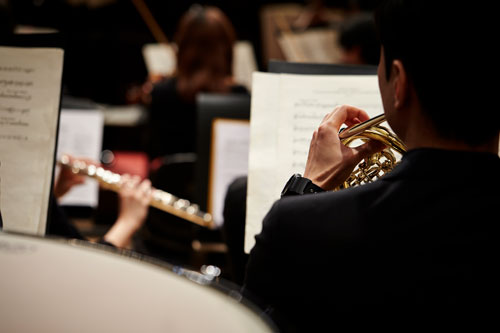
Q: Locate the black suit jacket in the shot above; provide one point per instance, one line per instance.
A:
(418, 245)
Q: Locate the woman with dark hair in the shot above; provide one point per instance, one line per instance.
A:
(205, 38)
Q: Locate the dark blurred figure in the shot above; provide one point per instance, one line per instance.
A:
(233, 228)
(102, 43)
(358, 40)
(205, 39)
(6, 19)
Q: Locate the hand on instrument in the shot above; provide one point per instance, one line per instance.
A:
(67, 179)
(134, 199)
(134, 203)
(329, 162)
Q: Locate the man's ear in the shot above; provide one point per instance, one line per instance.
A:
(400, 83)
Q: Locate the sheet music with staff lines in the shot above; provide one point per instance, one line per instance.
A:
(30, 86)
(286, 109)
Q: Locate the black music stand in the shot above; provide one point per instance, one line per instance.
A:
(278, 66)
(210, 107)
(55, 39)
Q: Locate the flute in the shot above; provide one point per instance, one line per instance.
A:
(162, 200)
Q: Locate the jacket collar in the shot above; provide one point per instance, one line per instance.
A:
(446, 164)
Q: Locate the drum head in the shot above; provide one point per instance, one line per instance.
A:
(53, 286)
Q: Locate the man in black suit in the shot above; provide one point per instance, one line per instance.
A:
(419, 245)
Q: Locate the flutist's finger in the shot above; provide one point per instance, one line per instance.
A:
(145, 187)
(124, 179)
(134, 181)
(129, 182)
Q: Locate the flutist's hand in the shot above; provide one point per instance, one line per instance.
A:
(329, 162)
(134, 203)
(66, 179)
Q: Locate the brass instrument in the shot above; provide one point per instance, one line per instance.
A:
(378, 164)
(160, 199)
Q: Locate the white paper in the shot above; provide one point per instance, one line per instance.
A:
(30, 85)
(229, 160)
(160, 59)
(286, 109)
(124, 115)
(314, 46)
(80, 135)
(262, 162)
(244, 63)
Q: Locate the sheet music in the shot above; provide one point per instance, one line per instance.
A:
(314, 46)
(30, 85)
(160, 59)
(244, 63)
(80, 135)
(230, 144)
(286, 109)
(262, 162)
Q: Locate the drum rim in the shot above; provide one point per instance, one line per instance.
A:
(222, 286)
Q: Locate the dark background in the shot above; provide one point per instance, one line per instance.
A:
(103, 44)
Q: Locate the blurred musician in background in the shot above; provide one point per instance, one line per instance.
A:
(205, 38)
(358, 40)
(418, 246)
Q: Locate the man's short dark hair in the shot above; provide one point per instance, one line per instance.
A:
(438, 44)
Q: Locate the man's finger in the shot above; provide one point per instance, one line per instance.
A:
(349, 115)
(368, 149)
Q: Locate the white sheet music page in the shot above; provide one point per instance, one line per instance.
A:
(30, 86)
(80, 135)
(262, 160)
(160, 59)
(286, 109)
(244, 63)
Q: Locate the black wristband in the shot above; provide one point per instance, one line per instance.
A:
(298, 185)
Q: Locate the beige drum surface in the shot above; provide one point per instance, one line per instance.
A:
(52, 286)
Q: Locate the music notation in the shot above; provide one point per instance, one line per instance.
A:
(30, 92)
(160, 199)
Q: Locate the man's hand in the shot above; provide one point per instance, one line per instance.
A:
(329, 162)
